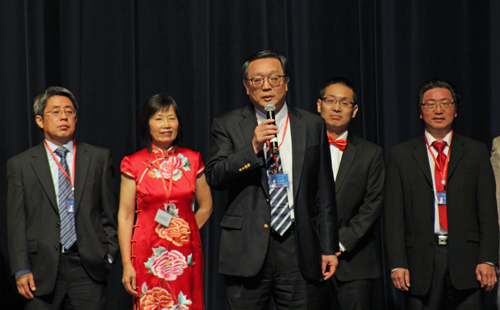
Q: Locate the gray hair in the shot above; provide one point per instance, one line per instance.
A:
(41, 100)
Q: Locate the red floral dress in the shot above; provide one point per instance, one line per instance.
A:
(168, 260)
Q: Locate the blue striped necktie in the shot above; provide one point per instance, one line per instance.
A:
(65, 193)
(280, 213)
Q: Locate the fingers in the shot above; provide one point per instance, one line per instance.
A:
(24, 283)
(262, 133)
(329, 265)
(487, 276)
(129, 281)
(401, 279)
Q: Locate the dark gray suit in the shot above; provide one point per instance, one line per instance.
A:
(471, 208)
(33, 215)
(233, 165)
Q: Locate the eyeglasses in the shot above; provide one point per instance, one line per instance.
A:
(56, 113)
(273, 80)
(342, 103)
(431, 106)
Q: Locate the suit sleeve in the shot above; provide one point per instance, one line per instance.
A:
(394, 215)
(326, 204)
(487, 210)
(109, 205)
(495, 162)
(225, 162)
(16, 219)
(369, 212)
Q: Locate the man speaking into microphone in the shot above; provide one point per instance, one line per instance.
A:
(279, 232)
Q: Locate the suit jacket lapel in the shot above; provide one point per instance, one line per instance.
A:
(298, 131)
(40, 164)
(82, 162)
(347, 159)
(422, 159)
(457, 151)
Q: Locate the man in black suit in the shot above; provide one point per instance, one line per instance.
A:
(266, 253)
(61, 211)
(358, 169)
(440, 211)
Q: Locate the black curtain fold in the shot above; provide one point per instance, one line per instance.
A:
(114, 55)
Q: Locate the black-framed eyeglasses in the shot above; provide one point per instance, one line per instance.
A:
(431, 106)
(273, 80)
(342, 103)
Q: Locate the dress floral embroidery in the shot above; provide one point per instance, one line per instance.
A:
(168, 259)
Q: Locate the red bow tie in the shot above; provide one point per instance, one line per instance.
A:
(340, 143)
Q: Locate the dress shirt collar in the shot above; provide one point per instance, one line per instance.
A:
(431, 139)
(68, 145)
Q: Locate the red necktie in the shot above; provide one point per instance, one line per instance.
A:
(340, 143)
(441, 160)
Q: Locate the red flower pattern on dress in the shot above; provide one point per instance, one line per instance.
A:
(156, 299)
(178, 231)
(169, 265)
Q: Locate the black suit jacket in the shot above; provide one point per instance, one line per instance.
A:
(233, 165)
(471, 209)
(359, 189)
(33, 215)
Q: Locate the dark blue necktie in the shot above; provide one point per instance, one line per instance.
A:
(280, 213)
(65, 193)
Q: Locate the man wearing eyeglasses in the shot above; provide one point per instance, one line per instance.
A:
(358, 169)
(61, 213)
(441, 229)
(279, 232)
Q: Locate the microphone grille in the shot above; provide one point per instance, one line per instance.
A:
(269, 106)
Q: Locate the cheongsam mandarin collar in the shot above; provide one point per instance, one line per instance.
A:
(161, 153)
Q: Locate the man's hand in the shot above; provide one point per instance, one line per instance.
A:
(329, 265)
(487, 276)
(24, 283)
(262, 133)
(401, 279)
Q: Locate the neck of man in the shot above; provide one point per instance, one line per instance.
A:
(335, 132)
(59, 141)
(438, 134)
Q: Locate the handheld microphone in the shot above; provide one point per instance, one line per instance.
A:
(270, 108)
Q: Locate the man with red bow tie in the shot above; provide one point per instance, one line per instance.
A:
(358, 169)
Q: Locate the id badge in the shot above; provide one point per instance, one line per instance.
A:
(70, 206)
(163, 217)
(278, 180)
(441, 198)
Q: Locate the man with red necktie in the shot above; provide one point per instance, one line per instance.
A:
(358, 169)
(441, 229)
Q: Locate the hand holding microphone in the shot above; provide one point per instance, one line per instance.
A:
(265, 132)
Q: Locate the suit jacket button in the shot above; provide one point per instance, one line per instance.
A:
(266, 226)
(58, 224)
(267, 200)
(56, 248)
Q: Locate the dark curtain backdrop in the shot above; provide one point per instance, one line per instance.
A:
(114, 55)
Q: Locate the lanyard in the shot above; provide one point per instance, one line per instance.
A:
(282, 139)
(443, 171)
(72, 179)
(167, 192)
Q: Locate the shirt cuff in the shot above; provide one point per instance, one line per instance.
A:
(22, 273)
(342, 248)
(110, 258)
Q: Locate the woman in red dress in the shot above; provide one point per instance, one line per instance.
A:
(161, 253)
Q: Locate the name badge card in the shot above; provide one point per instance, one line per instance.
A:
(278, 180)
(70, 206)
(163, 217)
(441, 198)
